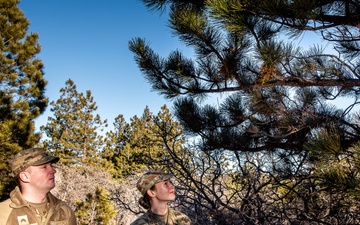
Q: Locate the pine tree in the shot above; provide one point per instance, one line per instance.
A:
(22, 86)
(171, 138)
(277, 91)
(73, 130)
(96, 209)
(135, 145)
(116, 155)
(271, 96)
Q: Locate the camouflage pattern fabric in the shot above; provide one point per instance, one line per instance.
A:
(17, 211)
(30, 157)
(173, 217)
(150, 178)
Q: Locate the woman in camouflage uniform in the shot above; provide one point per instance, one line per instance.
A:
(157, 191)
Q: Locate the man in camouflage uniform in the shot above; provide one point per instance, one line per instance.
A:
(157, 190)
(31, 203)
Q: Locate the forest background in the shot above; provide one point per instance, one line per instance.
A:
(276, 150)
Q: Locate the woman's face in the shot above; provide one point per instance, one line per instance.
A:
(164, 190)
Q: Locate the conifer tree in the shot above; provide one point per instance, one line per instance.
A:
(72, 132)
(134, 145)
(96, 209)
(277, 91)
(275, 94)
(116, 155)
(22, 86)
(272, 97)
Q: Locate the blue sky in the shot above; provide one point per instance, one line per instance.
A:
(87, 41)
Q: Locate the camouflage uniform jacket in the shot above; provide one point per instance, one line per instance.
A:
(171, 218)
(17, 211)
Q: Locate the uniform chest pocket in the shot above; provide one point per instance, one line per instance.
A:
(61, 222)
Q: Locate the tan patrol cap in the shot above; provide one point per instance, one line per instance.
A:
(150, 178)
(30, 157)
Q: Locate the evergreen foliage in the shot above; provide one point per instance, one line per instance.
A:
(97, 209)
(73, 130)
(135, 145)
(22, 86)
(274, 151)
(274, 145)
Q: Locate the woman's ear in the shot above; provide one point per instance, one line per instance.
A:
(151, 193)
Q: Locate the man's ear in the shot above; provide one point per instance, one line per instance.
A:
(24, 177)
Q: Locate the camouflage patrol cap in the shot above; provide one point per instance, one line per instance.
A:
(30, 157)
(150, 178)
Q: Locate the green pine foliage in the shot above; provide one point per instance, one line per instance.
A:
(338, 169)
(275, 122)
(134, 145)
(22, 89)
(270, 151)
(96, 209)
(74, 130)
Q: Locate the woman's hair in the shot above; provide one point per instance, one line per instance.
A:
(144, 201)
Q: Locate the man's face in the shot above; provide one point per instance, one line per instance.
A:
(42, 177)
